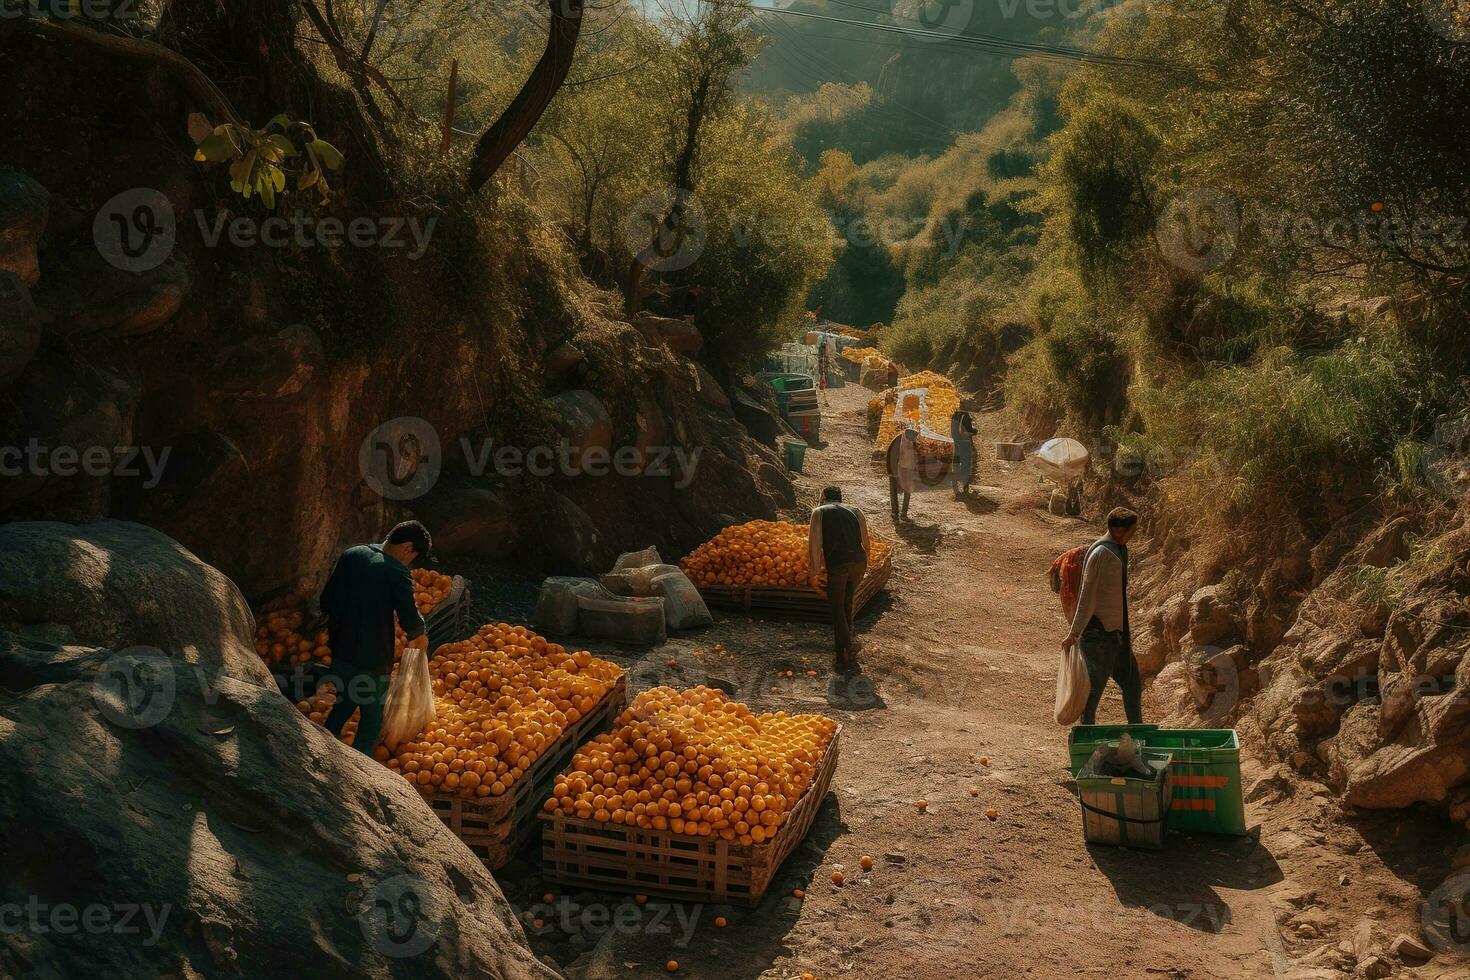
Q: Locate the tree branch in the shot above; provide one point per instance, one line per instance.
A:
(194, 81)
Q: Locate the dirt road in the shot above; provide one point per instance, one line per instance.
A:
(960, 662)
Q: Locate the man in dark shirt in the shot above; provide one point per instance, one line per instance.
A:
(369, 584)
(838, 541)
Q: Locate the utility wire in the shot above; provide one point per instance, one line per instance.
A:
(1001, 45)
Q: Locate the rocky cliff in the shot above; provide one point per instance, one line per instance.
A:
(266, 404)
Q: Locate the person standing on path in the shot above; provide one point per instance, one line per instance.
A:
(838, 541)
(903, 466)
(962, 431)
(1101, 621)
(369, 585)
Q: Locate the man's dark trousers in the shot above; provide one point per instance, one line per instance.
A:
(842, 584)
(365, 690)
(1107, 656)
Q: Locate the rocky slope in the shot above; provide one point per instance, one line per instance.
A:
(1347, 659)
(168, 811)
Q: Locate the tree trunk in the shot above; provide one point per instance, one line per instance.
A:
(499, 141)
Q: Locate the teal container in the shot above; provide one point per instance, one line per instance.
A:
(795, 456)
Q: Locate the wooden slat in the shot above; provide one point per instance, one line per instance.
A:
(799, 603)
(492, 827)
(617, 857)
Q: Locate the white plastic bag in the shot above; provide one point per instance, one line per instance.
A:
(409, 708)
(1073, 686)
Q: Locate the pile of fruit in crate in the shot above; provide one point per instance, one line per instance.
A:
(768, 553)
(858, 355)
(932, 412)
(695, 763)
(279, 640)
(502, 698)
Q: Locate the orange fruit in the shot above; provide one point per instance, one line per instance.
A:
(837, 878)
(719, 922)
(672, 966)
(865, 862)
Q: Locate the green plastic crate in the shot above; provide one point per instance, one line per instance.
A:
(1084, 740)
(1205, 771)
(1206, 777)
(1127, 811)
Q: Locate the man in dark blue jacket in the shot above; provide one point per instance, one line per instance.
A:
(369, 585)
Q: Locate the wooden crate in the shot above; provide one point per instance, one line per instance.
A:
(494, 826)
(449, 621)
(771, 600)
(616, 857)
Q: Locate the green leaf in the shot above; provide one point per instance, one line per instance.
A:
(309, 180)
(278, 178)
(330, 156)
(281, 120)
(217, 147)
(281, 144)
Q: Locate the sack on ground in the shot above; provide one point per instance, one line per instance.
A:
(1073, 686)
(556, 608)
(409, 708)
(638, 559)
(684, 607)
(637, 622)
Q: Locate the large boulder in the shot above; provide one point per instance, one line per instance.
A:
(679, 336)
(268, 367)
(467, 518)
(568, 541)
(24, 209)
(583, 421)
(179, 816)
(1214, 616)
(118, 584)
(20, 326)
(88, 297)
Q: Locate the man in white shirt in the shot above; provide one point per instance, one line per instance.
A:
(1101, 621)
(838, 542)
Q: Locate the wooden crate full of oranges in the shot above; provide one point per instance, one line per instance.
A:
(762, 567)
(690, 796)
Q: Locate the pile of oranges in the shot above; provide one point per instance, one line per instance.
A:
(695, 763)
(502, 697)
(430, 588)
(768, 553)
(858, 355)
(279, 640)
(938, 406)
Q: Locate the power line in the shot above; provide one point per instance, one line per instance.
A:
(1007, 46)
